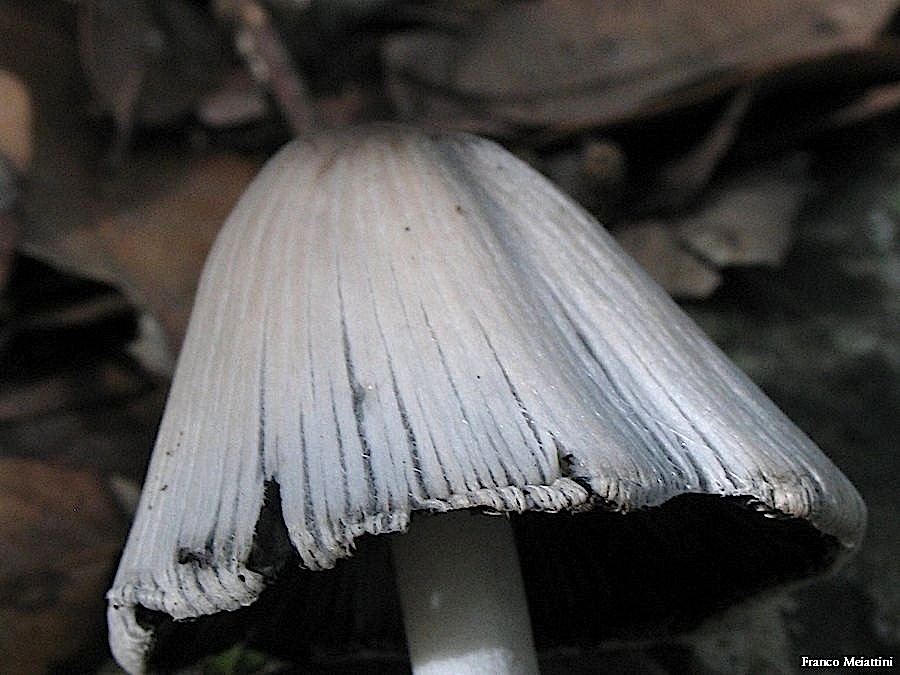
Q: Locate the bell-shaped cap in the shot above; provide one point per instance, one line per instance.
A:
(395, 321)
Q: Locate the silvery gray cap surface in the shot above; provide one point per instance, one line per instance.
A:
(394, 321)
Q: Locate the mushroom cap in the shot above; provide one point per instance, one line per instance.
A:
(394, 321)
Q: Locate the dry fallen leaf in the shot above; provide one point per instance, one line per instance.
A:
(60, 533)
(656, 247)
(744, 221)
(15, 160)
(160, 247)
(154, 250)
(750, 220)
(582, 64)
(15, 121)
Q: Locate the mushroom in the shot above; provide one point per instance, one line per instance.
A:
(395, 324)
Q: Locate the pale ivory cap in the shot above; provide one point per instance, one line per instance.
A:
(393, 320)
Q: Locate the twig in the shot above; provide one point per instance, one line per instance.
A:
(269, 62)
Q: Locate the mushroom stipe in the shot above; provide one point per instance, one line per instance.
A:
(394, 324)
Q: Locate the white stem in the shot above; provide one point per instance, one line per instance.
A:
(463, 599)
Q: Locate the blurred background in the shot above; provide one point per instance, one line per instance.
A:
(747, 154)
